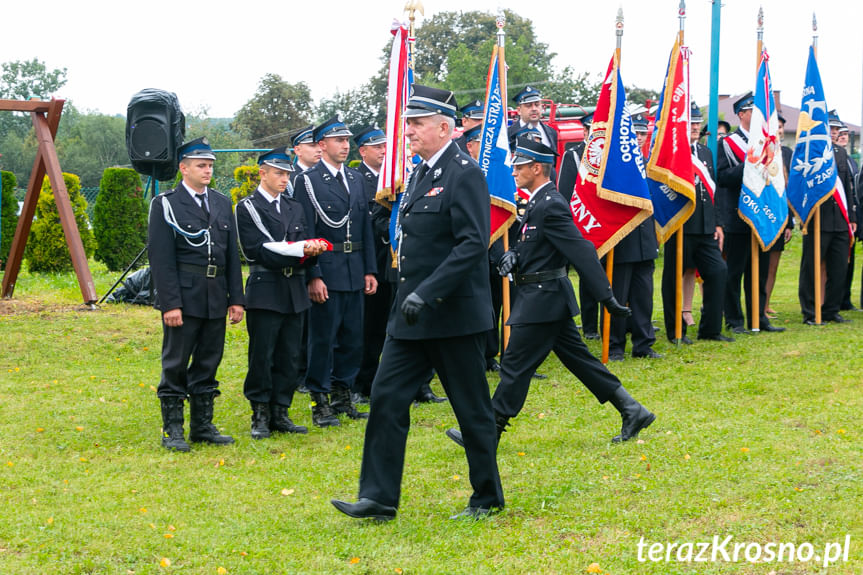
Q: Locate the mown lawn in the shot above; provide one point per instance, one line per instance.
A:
(757, 439)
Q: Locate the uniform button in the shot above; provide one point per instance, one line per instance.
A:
(402, 280)
(539, 285)
(403, 258)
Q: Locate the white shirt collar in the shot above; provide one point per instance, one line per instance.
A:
(335, 170)
(433, 160)
(371, 169)
(533, 193)
(195, 195)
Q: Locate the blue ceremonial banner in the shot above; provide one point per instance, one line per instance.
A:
(762, 203)
(494, 157)
(812, 173)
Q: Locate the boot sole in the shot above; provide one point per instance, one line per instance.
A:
(645, 423)
(180, 449)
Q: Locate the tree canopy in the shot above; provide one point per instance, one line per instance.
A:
(276, 108)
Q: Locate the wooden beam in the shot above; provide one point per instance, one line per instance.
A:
(25, 106)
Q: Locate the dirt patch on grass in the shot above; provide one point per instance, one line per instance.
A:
(34, 307)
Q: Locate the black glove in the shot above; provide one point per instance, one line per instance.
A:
(615, 308)
(411, 308)
(507, 262)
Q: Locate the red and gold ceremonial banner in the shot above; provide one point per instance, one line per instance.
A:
(670, 168)
(611, 196)
(392, 176)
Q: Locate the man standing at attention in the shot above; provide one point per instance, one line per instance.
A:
(195, 263)
(442, 311)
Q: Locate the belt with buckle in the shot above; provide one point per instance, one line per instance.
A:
(542, 276)
(287, 272)
(209, 271)
(347, 247)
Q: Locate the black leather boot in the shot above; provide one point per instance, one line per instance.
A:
(426, 395)
(172, 424)
(635, 416)
(201, 426)
(322, 413)
(279, 420)
(341, 403)
(260, 420)
(500, 422)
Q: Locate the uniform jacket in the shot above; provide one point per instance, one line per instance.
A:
(550, 132)
(195, 293)
(284, 288)
(706, 216)
(640, 245)
(380, 225)
(445, 223)
(340, 271)
(730, 178)
(548, 240)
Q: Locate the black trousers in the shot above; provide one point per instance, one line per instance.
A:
(632, 284)
(492, 339)
(460, 363)
(199, 339)
(849, 279)
(589, 308)
(335, 341)
(376, 313)
(274, 356)
(738, 257)
(529, 345)
(834, 255)
(700, 251)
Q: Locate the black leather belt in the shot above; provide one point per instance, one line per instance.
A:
(209, 271)
(347, 247)
(542, 276)
(287, 272)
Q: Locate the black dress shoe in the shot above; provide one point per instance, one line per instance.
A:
(649, 354)
(772, 328)
(537, 375)
(615, 357)
(836, 318)
(591, 335)
(455, 435)
(492, 365)
(717, 337)
(365, 509)
(475, 513)
(739, 329)
(811, 322)
(428, 397)
(683, 341)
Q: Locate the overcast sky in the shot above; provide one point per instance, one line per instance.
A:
(212, 54)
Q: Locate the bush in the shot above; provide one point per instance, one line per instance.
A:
(8, 215)
(247, 176)
(46, 247)
(119, 218)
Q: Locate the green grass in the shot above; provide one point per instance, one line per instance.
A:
(758, 439)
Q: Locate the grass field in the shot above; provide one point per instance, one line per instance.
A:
(757, 439)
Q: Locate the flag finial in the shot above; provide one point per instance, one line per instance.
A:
(681, 10)
(618, 22)
(760, 19)
(814, 24)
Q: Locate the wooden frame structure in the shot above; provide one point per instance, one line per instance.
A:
(46, 119)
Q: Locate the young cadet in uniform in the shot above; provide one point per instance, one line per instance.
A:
(632, 280)
(442, 311)
(738, 234)
(471, 116)
(195, 264)
(371, 143)
(702, 249)
(541, 318)
(336, 209)
(276, 295)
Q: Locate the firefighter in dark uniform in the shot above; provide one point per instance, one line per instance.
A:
(371, 143)
(835, 244)
(195, 265)
(542, 314)
(702, 250)
(441, 314)
(565, 185)
(276, 295)
(336, 209)
(632, 280)
(738, 234)
(472, 116)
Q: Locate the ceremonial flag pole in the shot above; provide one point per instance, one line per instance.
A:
(755, 281)
(495, 161)
(817, 224)
(609, 258)
(678, 263)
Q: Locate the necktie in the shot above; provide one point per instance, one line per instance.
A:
(341, 180)
(202, 199)
(421, 171)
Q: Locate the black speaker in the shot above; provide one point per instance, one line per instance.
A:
(155, 128)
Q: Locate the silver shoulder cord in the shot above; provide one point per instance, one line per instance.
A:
(311, 193)
(203, 233)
